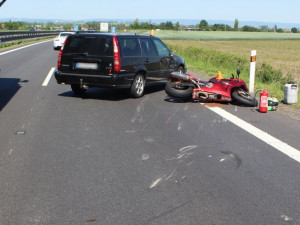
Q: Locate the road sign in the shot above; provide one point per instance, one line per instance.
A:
(104, 27)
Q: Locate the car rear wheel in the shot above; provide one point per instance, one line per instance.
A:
(77, 89)
(138, 86)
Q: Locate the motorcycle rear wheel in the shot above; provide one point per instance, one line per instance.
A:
(174, 90)
(242, 97)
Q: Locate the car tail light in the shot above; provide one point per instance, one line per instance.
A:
(60, 54)
(59, 59)
(117, 57)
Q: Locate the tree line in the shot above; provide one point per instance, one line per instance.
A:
(204, 26)
(136, 25)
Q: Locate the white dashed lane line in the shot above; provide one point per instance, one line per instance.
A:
(47, 79)
(263, 136)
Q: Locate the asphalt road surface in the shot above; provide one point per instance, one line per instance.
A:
(108, 159)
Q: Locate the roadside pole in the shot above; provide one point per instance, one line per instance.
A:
(252, 71)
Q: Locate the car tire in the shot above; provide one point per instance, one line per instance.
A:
(77, 89)
(180, 69)
(138, 86)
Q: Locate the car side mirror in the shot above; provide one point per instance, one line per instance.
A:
(238, 71)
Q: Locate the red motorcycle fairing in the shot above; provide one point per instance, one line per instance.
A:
(218, 90)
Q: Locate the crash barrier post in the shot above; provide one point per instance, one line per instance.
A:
(252, 71)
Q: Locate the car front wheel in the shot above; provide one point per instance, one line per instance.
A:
(180, 69)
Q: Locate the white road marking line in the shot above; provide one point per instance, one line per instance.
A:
(46, 81)
(263, 136)
(27, 46)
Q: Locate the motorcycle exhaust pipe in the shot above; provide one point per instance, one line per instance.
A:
(181, 76)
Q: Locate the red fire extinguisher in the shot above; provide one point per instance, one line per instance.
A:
(263, 104)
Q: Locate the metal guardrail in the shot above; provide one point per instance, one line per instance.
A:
(18, 35)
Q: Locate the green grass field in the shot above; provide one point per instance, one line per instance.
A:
(223, 35)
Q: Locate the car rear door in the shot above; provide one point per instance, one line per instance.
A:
(151, 59)
(131, 54)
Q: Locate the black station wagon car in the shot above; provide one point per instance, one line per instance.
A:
(115, 61)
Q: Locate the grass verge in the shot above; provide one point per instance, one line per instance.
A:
(22, 42)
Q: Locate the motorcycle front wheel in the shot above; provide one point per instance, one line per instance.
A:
(242, 97)
(174, 89)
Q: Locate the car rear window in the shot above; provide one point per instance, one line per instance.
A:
(90, 45)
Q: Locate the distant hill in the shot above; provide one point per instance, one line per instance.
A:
(158, 21)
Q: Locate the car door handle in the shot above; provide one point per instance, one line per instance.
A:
(147, 61)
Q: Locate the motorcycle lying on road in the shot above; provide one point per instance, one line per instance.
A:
(217, 89)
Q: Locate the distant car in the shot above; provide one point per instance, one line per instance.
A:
(60, 39)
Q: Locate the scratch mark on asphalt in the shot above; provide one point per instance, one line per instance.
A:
(187, 148)
(190, 163)
(187, 155)
(199, 131)
(169, 119)
(168, 212)
(180, 156)
(155, 183)
(170, 175)
(171, 159)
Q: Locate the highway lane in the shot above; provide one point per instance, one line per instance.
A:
(70, 160)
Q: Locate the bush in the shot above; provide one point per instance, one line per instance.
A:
(268, 74)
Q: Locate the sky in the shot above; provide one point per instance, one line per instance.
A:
(287, 11)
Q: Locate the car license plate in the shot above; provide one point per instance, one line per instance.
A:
(86, 66)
